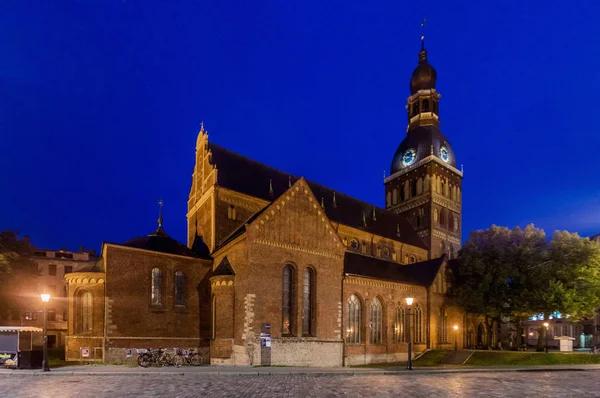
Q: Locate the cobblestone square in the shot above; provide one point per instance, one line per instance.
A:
(501, 384)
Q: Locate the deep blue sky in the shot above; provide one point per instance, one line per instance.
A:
(101, 101)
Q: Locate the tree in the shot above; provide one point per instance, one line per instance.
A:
(17, 271)
(518, 273)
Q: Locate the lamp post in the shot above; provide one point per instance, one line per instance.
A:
(45, 299)
(455, 337)
(409, 301)
(546, 326)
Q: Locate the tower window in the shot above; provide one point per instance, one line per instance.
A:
(425, 105)
(395, 196)
(413, 188)
(436, 215)
(435, 107)
(443, 218)
(415, 108)
(388, 199)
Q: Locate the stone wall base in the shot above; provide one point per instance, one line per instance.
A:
(362, 359)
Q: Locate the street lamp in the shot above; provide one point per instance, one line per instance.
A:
(409, 301)
(45, 299)
(455, 337)
(546, 326)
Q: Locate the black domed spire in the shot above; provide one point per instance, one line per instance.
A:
(424, 75)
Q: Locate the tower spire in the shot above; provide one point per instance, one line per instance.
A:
(423, 52)
(160, 230)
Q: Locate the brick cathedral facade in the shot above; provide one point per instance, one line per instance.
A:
(328, 273)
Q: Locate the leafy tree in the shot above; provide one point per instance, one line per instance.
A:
(17, 271)
(517, 273)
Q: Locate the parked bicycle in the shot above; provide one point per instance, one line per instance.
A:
(187, 358)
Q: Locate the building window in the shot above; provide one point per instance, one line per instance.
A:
(436, 215)
(413, 188)
(52, 315)
(287, 300)
(353, 313)
(399, 323)
(425, 105)
(376, 322)
(85, 312)
(443, 328)
(415, 108)
(179, 288)
(450, 221)
(15, 314)
(214, 317)
(65, 314)
(156, 295)
(388, 198)
(309, 301)
(418, 328)
(364, 247)
(395, 196)
(31, 315)
(68, 256)
(231, 213)
(68, 269)
(52, 269)
(443, 217)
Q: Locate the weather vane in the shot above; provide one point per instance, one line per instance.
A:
(423, 30)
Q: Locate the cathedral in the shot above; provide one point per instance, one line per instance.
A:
(280, 270)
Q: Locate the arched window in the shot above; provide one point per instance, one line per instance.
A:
(156, 298)
(443, 217)
(419, 186)
(388, 199)
(287, 300)
(402, 194)
(419, 330)
(353, 316)
(399, 323)
(214, 317)
(415, 108)
(376, 322)
(395, 196)
(179, 288)
(450, 221)
(309, 302)
(455, 224)
(425, 105)
(85, 312)
(443, 326)
(413, 188)
(436, 215)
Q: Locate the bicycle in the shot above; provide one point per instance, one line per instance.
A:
(187, 358)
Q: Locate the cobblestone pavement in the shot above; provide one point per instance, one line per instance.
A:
(513, 384)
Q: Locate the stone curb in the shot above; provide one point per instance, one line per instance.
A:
(310, 374)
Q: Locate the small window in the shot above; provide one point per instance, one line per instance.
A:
(52, 269)
(413, 188)
(436, 215)
(179, 288)
(52, 315)
(68, 269)
(425, 105)
(31, 315)
(415, 109)
(68, 256)
(231, 214)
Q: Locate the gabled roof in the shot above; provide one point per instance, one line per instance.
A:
(421, 274)
(241, 174)
(224, 268)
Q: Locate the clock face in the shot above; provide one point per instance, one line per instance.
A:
(444, 154)
(409, 157)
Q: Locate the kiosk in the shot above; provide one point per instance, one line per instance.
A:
(21, 346)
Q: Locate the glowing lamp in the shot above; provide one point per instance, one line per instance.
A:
(409, 300)
(455, 327)
(45, 297)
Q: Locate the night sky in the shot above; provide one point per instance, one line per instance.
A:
(101, 102)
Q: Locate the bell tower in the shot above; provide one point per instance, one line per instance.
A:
(424, 183)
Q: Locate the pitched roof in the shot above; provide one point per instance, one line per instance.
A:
(248, 176)
(224, 268)
(421, 274)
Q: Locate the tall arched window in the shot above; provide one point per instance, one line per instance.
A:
(413, 188)
(179, 288)
(287, 300)
(353, 316)
(443, 326)
(443, 217)
(450, 221)
(436, 215)
(309, 302)
(85, 312)
(214, 317)
(395, 196)
(419, 332)
(388, 199)
(399, 323)
(376, 322)
(156, 295)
